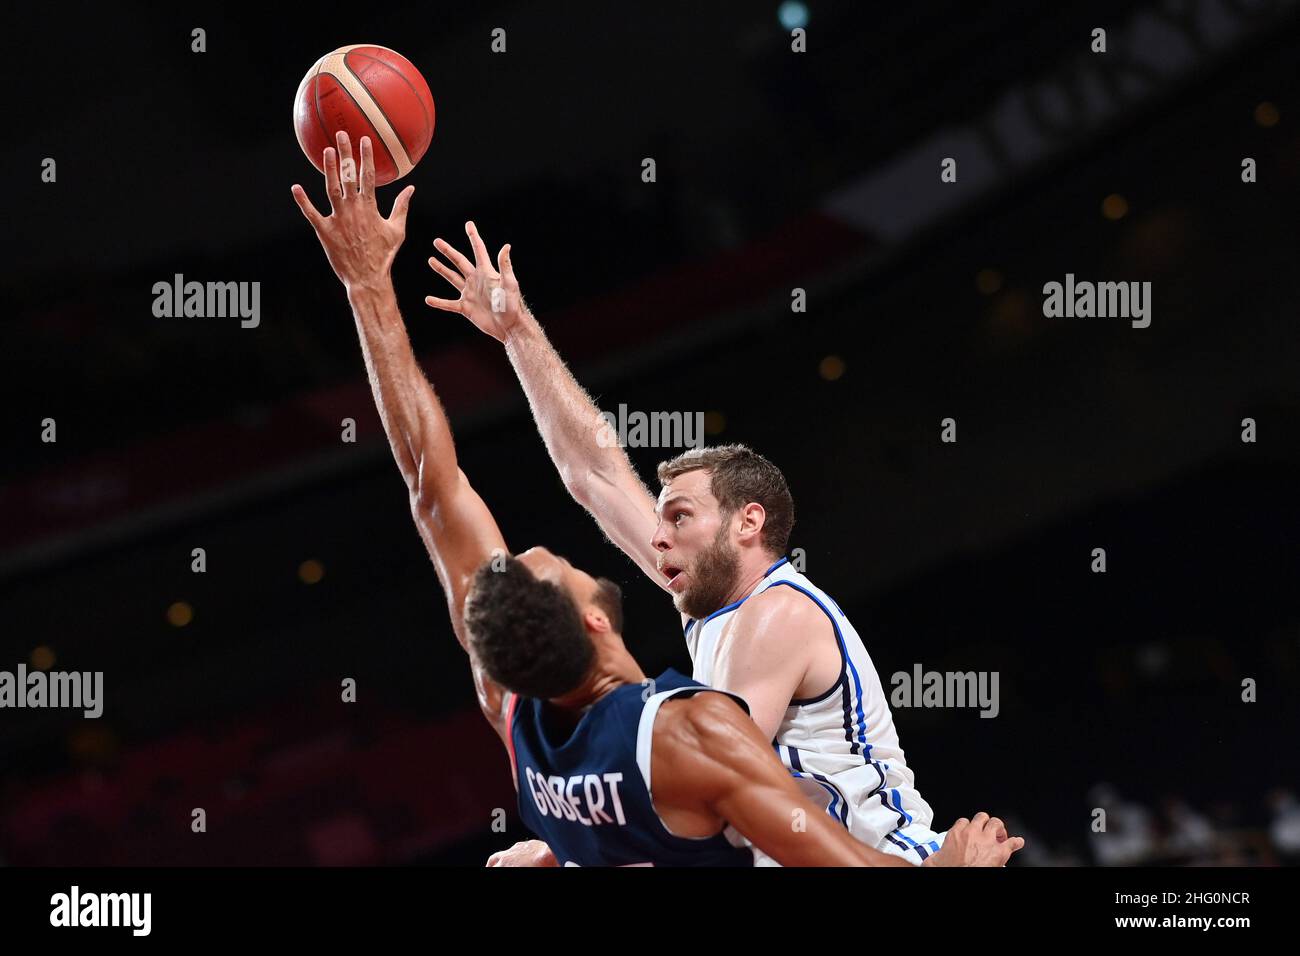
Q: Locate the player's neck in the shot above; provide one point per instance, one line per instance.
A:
(752, 572)
(609, 671)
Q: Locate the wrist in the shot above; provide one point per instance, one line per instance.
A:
(523, 332)
(369, 288)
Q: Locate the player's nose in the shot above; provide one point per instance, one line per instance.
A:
(660, 540)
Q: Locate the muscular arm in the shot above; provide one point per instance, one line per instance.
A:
(778, 647)
(454, 523)
(457, 528)
(595, 469)
(709, 764)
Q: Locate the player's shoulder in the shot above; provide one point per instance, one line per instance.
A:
(777, 606)
(688, 720)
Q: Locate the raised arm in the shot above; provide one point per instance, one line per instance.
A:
(710, 764)
(595, 469)
(457, 528)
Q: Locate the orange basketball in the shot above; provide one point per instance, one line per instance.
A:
(366, 90)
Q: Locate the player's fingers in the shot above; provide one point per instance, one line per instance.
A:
(367, 169)
(506, 267)
(980, 820)
(998, 827)
(961, 823)
(481, 258)
(305, 204)
(347, 166)
(1006, 849)
(332, 177)
(459, 261)
(1013, 844)
(401, 205)
(451, 275)
(447, 305)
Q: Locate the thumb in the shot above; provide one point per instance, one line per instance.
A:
(400, 206)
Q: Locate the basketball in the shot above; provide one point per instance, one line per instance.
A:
(366, 90)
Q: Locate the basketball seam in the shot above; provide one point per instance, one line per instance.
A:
(379, 106)
(336, 66)
(428, 123)
(315, 95)
(376, 138)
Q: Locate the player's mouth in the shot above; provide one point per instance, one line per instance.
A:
(675, 576)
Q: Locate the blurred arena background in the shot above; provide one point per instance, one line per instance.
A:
(775, 171)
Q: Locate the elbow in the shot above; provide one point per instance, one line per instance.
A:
(425, 499)
(577, 482)
(423, 504)
(429, 486)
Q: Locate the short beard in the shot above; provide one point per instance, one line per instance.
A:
(712, 578)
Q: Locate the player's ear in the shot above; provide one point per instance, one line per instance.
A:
(752, 518)
(596, 621)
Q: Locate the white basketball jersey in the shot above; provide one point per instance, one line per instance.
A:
(840, 745)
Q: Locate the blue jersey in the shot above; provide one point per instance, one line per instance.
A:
(586, 792)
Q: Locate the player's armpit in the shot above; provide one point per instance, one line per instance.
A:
(709, 759)
(493, 700)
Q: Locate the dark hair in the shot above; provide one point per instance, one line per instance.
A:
(737, 476)
(526, 633)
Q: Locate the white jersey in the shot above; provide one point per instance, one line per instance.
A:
(841, 745)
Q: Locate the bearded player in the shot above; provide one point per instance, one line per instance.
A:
(585, 731)
(585, 734)
(715, 539)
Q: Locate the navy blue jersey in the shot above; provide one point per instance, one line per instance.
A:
(586, 792)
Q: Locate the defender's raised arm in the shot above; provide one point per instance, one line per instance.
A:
(595, 469)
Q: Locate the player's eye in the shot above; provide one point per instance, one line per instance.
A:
(677, 518)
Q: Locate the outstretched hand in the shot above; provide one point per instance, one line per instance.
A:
(359, 243)
(489, 297)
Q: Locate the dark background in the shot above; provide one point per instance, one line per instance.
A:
(775, 171)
